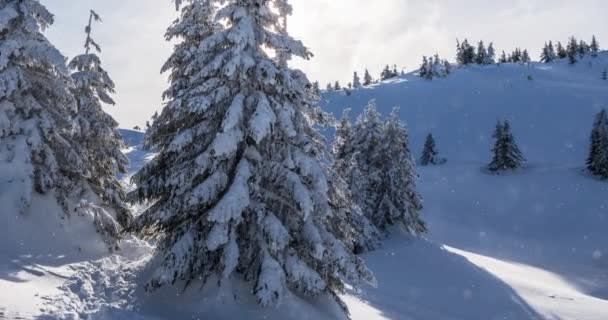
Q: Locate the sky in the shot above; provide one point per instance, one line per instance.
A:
(344, 36)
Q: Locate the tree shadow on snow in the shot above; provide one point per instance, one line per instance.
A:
(421, 280)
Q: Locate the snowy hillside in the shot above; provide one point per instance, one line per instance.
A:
(527, 245)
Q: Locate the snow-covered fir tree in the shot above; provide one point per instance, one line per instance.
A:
(337, 86)
(503, 58)
(382, 172)
(491, 56)
(238, 189)
(597, 162)
(343, 151)
(329, 87)
(482, 54)
(525, 57)
(97, 131)
(548, 53)
(356, 81)
(465, 53)
(594, 47)
(430, 156)
(561, 51)
(583, 49)
(424, 72)
(507, 155)
(367, 78)
(37, 120)
(387, 73)
(572, 50)
(316, 88)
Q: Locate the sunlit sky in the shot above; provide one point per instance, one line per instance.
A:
(344, 35)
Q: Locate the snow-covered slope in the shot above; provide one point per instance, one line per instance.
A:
(527, 245)
(541, 233)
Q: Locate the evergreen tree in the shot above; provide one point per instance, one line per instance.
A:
(329, 87)
(424, 68)
(583, 48)
(525, 57)
(503, 58)
(507, 155)
(561, 52)
(597, 162)
(367, 78)
(337, 86)
(572, 50)
(491, 56)
(356, 81)
(386, 73)
(395, 72)
(436, 68)
(482, 53)
(238, 187)
(548, 53)
(316, 89)
(38, 130)
(447, 68)
(97, 131)
(382, 174)
(594, 47)
(429, 153)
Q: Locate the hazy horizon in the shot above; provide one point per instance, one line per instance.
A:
(356, 34)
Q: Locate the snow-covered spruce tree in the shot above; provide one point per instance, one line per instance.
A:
(572, 50)
(561, 51)
(507, 155)
(548, 53)
(594, 47)
(583, 49)
(597, 162)
(367, 78)
(37, 111)
(356, 81)
(367, 236)
(337, 86)
(503, 58)
(382, 174)
(386, 73)
(491, 56)
(423, 72)
(429, 152)
(97, 131)
(316, 88)
(238, 189)
(329, 87)
(525, 57)
(482, 53)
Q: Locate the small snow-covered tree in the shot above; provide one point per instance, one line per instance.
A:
(561, 51)
(423, 72)
(97, 131)
(367, 78)
(572, 50)
(482, 54)
(387, 73)
(594, 47)
(337, 86)
(597, 162)
(239, 189)
(329, 87)
(491, 56)
(382, 173)
(429, 152)
(316, 88)
(356, 81)
(503, 58)
(525, 57)
(548, 53)
(507, 155)
(583, 49)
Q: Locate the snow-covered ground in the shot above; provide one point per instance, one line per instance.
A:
(527, 245)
